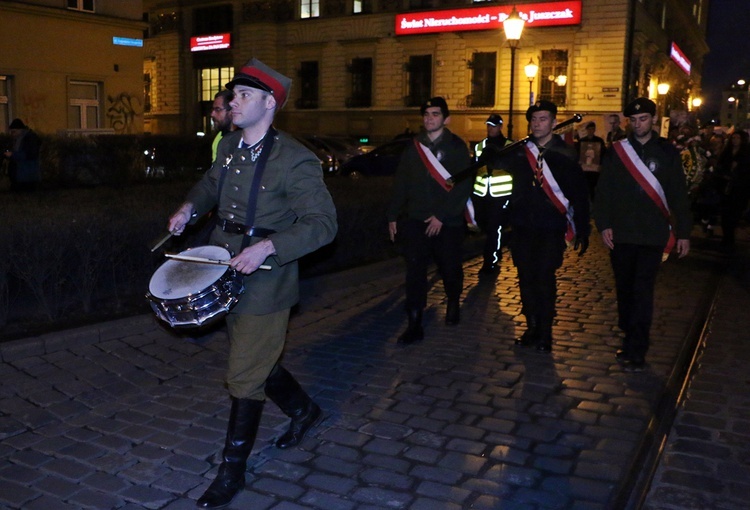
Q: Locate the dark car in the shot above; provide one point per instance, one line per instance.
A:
(327, 161)
(382, 160)
(341, 150)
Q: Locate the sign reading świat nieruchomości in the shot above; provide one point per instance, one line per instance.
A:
(545, 14)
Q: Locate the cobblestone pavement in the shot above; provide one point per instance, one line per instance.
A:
(127, 415)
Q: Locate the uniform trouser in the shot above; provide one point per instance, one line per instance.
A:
(635, 268)
(255, 345)
(445, 249)
(537, 254)
(492, 217)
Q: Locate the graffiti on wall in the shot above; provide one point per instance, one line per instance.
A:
(121, 112)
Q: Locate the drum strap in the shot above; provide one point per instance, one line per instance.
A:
(260, 166)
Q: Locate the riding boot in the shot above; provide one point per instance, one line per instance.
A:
(244, 419)
(544, 335)
(453, 312)
(529, 336)
(284, 390)
(414, 331)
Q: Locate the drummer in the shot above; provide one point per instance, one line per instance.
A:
(273, 208)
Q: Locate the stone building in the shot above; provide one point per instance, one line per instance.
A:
(72, 66)
(361, 67)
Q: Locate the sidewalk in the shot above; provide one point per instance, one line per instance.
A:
(126, 415)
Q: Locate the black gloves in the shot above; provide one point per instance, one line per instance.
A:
(582, 242)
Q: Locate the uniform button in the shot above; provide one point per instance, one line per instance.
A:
(231, 216)
(237, 171)
(236, 188)
(226, 245)
(242, 158)
(234, 206)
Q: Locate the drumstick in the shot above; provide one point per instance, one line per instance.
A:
(202, 260)
(161, 241)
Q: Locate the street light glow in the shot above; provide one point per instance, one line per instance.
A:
(662, 89)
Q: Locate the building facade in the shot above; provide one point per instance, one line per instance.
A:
(734, 110)
(362, 67)
(72, 66)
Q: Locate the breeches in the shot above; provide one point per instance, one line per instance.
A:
(445, 249)
(537, 254)
(255, 345)
(635, 267)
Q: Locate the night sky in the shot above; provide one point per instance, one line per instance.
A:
(729, 58)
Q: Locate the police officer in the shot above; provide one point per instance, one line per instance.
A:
(492, 188)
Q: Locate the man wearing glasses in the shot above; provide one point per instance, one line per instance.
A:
(221, 115)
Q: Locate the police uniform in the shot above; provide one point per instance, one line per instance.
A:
(539, 229)
(491, 196)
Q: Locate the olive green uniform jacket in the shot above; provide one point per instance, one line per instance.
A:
(293, 200)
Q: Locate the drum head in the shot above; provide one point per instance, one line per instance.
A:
(177, 279)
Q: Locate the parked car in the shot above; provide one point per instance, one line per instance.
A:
(327, 161)
(382, 160)
(340, 149)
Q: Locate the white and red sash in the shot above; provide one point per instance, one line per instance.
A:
(441, 176)
(650, 184)
(551, 188)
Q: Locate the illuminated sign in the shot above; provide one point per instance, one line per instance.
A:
(127, 41)
(679, 58)
(548, 14)
(210, 42)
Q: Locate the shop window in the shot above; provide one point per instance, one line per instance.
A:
(420, 4)
(212, 81)
(483, 72)
(84, 105)
(81, 5)
(553, 68)
(309, 9)
(361, 83)
(419, 69)
(212, 20)
(308, 77)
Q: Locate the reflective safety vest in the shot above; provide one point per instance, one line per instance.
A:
(497, 182)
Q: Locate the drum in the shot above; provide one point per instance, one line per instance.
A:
(192, 294)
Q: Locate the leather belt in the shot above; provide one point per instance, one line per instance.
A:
(232, 227)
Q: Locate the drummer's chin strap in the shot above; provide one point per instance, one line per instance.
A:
(260, 166)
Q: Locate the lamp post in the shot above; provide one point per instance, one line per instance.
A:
(531, 69)
(513, 26)
(662, 89)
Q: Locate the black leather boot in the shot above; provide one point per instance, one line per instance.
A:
(529, 337)
(453, 312)
(544, 335)
(244, 419)
(284, 390)
(414, 331)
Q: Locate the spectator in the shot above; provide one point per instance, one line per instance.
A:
(24, 170)
(734, 170)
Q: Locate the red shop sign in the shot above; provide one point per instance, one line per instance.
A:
(210, 42)
(547, 14)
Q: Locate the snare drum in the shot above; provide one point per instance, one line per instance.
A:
(192, 294)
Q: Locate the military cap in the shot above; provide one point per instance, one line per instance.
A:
(258, 75)
(435, 101)
(541, 106)
(640, 105)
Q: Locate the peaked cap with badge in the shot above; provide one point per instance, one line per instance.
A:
(541, 106)
(258, 75)
(640, 105)
(435, 101)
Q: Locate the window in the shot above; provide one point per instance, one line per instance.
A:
(483, 72)
(362, 7)
(4, 102)
(553, 72)
(309, 9)
(212, 20)
(81, 5)
(308, 76)
(212, 81)
(361, 71)
(84, 105)
(420, 79)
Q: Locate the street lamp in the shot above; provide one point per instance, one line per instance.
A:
(513, 26)
(530, 69)
(662, 89)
